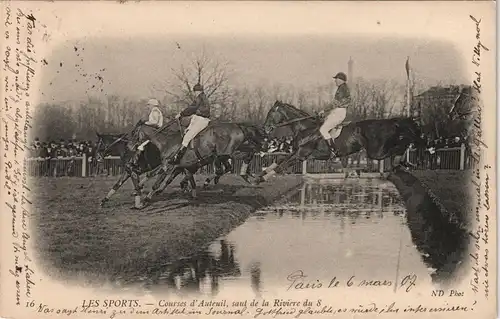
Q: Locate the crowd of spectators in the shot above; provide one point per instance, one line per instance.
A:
(73, 148)
(283, 145)
(61, 149)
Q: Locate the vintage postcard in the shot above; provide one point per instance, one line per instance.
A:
(248, 159)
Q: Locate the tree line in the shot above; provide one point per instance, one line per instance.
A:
(71, 120)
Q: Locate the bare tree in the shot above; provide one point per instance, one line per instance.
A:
(211, 73)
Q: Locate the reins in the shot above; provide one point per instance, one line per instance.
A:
(126, 134)
(295, 120)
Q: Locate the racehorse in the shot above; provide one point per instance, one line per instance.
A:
(218, 140)
(381, 138)
(149, 162)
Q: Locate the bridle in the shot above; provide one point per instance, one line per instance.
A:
(274, 126)
(125, 138)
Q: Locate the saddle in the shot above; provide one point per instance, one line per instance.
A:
(333, 132)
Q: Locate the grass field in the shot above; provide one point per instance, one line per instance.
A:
(77, 239)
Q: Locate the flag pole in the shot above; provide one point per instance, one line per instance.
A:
(408, 86)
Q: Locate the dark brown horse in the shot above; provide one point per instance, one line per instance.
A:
(216, 142)
(149, 163)
(116, 144)
(381, 138)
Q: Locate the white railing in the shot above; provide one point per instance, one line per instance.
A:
(455, 158)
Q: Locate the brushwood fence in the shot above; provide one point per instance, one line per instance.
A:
(457, 158)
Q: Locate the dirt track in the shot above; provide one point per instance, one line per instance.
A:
(77, 239)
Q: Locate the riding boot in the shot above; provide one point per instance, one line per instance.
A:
(331, 145)
(178, 155)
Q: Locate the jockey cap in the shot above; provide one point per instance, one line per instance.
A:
(198, 87)
(341, 76)
(153, 102)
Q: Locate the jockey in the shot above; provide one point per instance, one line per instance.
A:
(200, 111)
(155, 119)
(338, 113)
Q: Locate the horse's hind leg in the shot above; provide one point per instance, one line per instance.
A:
(161, 187)
(125, 176)
(184, 183)
(228, 168)
(190, 176)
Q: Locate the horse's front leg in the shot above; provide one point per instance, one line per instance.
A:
(140, 205)
(245, 167)
(157, 170)
(275, 168)
(125, 176)
(219, 171)
(190, 175)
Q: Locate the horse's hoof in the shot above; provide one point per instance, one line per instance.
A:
(140, 206)
(258, 180)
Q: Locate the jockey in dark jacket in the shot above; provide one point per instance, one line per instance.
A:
(200, 111)
(338, 114)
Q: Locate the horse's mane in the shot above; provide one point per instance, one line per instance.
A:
(294, 109)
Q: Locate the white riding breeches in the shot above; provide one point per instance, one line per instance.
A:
(198, 123)
(141, 147)
(333, 119)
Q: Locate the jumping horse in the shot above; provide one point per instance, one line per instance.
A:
(381, 138)
(149, 163)
(220, 140)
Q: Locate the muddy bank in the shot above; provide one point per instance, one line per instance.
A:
(77, 238)
(440, 236)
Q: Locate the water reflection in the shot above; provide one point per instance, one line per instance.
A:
(354, 201)
(328, 229)
(198, 274)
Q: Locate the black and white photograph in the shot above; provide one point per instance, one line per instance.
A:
(251, 159)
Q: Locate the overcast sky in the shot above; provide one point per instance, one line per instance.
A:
(135, 67)
(130, 49)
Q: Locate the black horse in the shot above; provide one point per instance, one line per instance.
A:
(116, 144)
(381, 138)
(218, 141)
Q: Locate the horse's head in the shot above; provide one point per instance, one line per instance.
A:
(411, 129)
(99, 149)
(280, 113)
(462, 107)
(105, 144)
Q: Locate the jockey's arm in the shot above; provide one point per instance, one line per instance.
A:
(190, 110)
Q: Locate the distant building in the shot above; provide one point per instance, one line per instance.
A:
(433, 106)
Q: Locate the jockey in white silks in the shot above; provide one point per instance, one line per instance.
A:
(338, 114)
(200, 111)
(155, 119)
